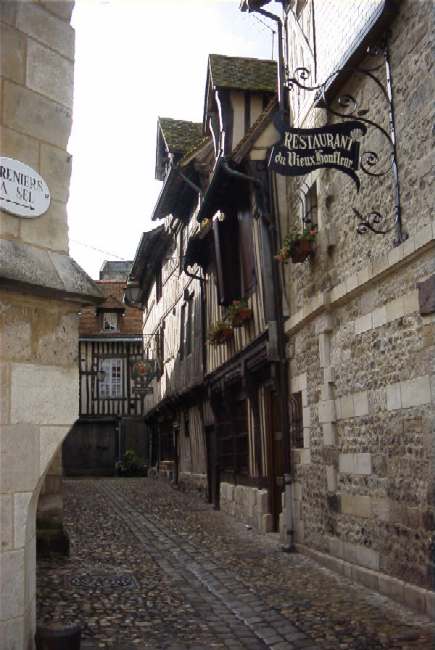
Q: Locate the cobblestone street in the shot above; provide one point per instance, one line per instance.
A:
(151, 567)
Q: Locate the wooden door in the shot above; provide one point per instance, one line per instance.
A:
(276, 456)
(213, 487)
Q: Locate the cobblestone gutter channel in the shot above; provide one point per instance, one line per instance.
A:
(154, 568)
(245, 616)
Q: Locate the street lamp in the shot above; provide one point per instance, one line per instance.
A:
(132, 292)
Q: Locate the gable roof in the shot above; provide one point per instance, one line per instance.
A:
(180, 135)
(254, 132)
(241, 73)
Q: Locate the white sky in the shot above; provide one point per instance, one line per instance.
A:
(136, 60)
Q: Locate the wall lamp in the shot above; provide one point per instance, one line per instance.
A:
(132, 293)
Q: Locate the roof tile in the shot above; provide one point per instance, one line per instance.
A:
(180, 135)
(240, 73)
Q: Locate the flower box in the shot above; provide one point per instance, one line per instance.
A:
(221, 333)
(242, 316)
(239, 312)
(301, 249)
(297, 246)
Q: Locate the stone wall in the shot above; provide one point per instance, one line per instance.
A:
(249, 505)
(41, 291)
(361, 352)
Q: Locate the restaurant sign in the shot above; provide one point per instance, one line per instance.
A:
(142, 373)
(302, 151)
(23, 192)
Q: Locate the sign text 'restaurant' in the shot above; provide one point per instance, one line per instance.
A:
(301, 151)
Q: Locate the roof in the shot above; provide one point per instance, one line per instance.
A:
(112, 303)
(179, 135)
(130, 325)
(150, 252)
(116, 270)
(240, 73)
(220, 183)
(176, 195)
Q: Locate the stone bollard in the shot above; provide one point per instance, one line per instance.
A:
(58, 637)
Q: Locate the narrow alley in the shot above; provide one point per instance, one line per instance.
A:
(152, 567)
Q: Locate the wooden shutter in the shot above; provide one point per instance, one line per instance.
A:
(227, 256)
(247, 255)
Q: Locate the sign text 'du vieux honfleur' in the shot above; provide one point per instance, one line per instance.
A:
(301, 151)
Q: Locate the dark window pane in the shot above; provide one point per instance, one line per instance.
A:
(296, 422)
(158, 283)
(189, 327)
(182, 329)
(247, 256)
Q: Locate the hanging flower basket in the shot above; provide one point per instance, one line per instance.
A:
(297, 246)
(239, 313)
(301, 249)
(220, 333)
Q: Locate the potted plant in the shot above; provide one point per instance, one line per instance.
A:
(131, 465)
(220, 333)
(239, 312)
(297, 245)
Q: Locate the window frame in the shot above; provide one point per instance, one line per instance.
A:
(111, 385)
(105, 318)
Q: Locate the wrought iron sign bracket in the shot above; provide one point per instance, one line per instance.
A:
(371, 163)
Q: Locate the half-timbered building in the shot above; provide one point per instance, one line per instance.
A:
(245, 374)
(172, 309)
(211, 298)
(111, 410)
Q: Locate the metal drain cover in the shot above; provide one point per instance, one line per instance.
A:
(104, 581)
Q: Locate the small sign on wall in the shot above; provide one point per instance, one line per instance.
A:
(23, 192)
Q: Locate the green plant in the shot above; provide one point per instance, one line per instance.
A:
(239, 312)
(131, 464)
(293, 239)
(220, 332)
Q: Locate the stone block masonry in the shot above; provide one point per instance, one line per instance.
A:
(41, 291)
(363, 343)
(247, 504)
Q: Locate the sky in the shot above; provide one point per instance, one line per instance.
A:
(137, 60)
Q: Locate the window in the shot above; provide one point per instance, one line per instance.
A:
(296, 421)
(189, 326)
(182, 249)
(186, 424)
(159, 286)
(160, 346)
(234, 253)
(110, 385)
(233, 436)
(110, 321)
(182, 329)
(186, 328)
(309, 215)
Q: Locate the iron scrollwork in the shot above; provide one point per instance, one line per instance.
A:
(371, 163)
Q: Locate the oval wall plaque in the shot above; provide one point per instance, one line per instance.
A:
(23, 192)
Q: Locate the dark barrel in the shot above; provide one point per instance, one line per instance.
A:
(58, 637)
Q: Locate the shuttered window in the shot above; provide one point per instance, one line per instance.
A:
(234, 256)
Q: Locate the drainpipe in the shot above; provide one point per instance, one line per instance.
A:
(281, 66)
(187, 180)
(282, 372)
